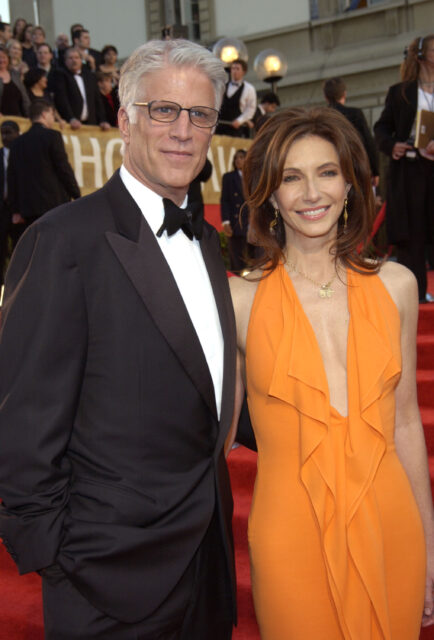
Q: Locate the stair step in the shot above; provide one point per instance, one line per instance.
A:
(425, 351)
(427, 415)
(426, 319)
(425, 387)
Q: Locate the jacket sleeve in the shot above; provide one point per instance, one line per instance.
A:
(369, 143)
(245, 434)
(61, 98)
(62, 167)
(12, 180)
(385, 127)
(42, 352)
(225, 198)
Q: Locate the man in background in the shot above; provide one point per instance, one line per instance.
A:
(9, 132)
(5, 33)
(90, 57)
(239, 103)
(235, 217)
(335, 92)
(76, 93)
(39, 174)
(266, 107)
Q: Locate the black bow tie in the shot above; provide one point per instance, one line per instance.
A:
(190, 220)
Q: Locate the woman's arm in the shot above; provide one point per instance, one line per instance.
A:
(243, 292)
(409, 436)
(239, 397)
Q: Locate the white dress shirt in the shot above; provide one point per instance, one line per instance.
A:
(247, 99)
(80, 83)
(184, 257)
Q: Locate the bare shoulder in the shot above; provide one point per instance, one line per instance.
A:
(401, 285)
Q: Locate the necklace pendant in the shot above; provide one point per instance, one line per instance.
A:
(325, 291)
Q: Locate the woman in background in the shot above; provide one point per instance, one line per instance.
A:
(410, 182)
(18, 29)
(342, 504)
(13, 98)
(15, 51)
(109, 65)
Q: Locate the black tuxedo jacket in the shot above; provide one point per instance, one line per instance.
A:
(111, 452)
(358, 120)
(39, 174)
(231, 201)
(69, 101)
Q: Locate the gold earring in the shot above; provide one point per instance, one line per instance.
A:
(274, 221)
(345, 213)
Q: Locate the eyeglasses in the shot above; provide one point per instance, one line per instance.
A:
(165, 111)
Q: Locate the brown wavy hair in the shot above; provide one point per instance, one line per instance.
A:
(410, 66)
(262, 176)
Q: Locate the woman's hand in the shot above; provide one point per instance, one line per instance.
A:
(399, 149)
(428, 609)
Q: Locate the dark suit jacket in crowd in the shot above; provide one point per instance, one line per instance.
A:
(39, 174)
(5, 219)
(231, 201)
(358, 120)
(395, 125)
(69, 101)
(108, 405)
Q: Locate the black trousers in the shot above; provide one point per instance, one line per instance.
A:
(419, 178)
(198, 608)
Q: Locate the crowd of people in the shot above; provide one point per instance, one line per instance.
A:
(129, 366)
(80, 81)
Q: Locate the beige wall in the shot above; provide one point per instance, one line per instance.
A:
(244, 17)
(364, 47)
(118, 22)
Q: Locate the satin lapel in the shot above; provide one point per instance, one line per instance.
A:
(219, 282)
(151, 276)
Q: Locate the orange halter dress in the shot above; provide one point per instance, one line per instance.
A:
(336, 540)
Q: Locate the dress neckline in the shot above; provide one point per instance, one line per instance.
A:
(288, 279)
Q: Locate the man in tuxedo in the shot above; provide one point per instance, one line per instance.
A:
(9, 132)
(239, 103)
(335, 92)
(76, 93)
(39, 174)
(115, 405)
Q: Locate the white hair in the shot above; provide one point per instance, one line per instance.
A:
(156, 55)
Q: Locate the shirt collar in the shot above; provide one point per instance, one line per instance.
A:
(149, 202)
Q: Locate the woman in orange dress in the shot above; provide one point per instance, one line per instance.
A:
(341, 531)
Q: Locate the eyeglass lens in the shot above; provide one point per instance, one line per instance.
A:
(164, 111)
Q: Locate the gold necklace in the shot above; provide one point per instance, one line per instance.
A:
(325, 290)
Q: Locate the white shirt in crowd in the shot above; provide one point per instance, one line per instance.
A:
(247, 99)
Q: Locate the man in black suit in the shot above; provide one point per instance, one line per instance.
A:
(267, 106)
(39, 174)
(235, 226)
(76, 93)
(91, 58)
(9, 132)
(335, 92)
(115, 407)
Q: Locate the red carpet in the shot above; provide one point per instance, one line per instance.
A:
(20, 597)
